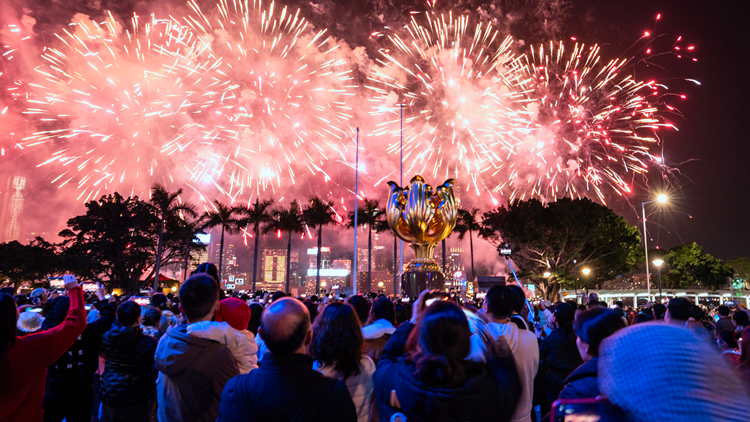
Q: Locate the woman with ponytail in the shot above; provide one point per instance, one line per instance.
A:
(559, 353)
(425, 375)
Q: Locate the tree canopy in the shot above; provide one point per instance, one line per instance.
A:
(562, 238)
(33, 262)
(688, 266)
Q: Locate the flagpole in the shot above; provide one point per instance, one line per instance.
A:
(401, 183)
(356, 211)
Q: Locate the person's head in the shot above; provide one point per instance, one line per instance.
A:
(595, 304)
(256, 310)
(744, 344)
(199, 297)
(593, 326)
(361, 307)
(659, 311)
(723, 310)
(8, 319)
(29, 322)
(641, 318)
(619, 304)
(382, 308)
(312, 309)
(38, 296)
(158, 300)
(499, 302)
(337, 339)
(727, 341)
(285, 327)
(519, 302)
(129, 314)
(402, 314)
(564, 315)
(277, 295)
(151, 318)
(20, 300)
(439, 343)
(740, 319)
(678, 310)
(662, 372)
(234, 312)
(210, 269)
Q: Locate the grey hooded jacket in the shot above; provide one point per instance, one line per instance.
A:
(192, 375)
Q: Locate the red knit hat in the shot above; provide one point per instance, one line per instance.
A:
(235, 312)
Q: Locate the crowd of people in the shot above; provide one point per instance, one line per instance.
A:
(205, 355)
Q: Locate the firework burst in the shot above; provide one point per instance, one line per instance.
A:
(110, 105)
(284, 108)
(457, 91)
(594, 124)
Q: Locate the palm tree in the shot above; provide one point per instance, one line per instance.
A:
(468, 222)
(224, 216)
(287, 220)
(168, 207)
(317, 214)
(371, 215)
(256, 215)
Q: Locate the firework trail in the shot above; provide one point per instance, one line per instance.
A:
(457, 91)
(285, 109)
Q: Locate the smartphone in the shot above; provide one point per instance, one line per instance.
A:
(716, 318)
(107, 296)
(143, 301)
(586, 410)
(37, 310)
(729, 303)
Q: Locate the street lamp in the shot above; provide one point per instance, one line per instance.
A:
(662, 199)
(658, 263)
(586, 272)
(547, 274)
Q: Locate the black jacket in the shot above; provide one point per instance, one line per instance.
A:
(128, 377)
(582, 383)
(284, 387)
(84, 352)
(561, 358)
(490, 393)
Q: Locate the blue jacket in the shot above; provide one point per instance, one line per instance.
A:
(283, 387)
(490, 393)
(582, 383)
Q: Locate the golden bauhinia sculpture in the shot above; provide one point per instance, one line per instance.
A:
(423, 216)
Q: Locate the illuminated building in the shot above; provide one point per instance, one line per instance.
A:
(10, 228)
(274, 270)
(334, 275)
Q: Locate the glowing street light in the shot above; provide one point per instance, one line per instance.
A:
(661, 199)
(586, 272)
(658, 263)
(547, 274)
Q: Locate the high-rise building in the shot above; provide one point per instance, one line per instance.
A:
(380, 258)
(274, 269)
(325, 257)
(362, 255)
(10, 228)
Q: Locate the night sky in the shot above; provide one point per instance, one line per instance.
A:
(708, 190)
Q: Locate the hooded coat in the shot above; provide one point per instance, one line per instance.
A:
(128, 370)
(490, 393)
(192, 375)
(582, 383)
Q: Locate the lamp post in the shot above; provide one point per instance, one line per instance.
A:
(662, 199)
(658, 263)
(586, 272)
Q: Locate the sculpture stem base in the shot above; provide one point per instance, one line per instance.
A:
(414, 282)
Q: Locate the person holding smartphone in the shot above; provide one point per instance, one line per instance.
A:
(24, 360)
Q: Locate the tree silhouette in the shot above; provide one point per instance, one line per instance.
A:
(257, 215)
(169, 209)
(468, 223)
(319, 213)
(224, 216)
(287, 220)
(371, 215)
